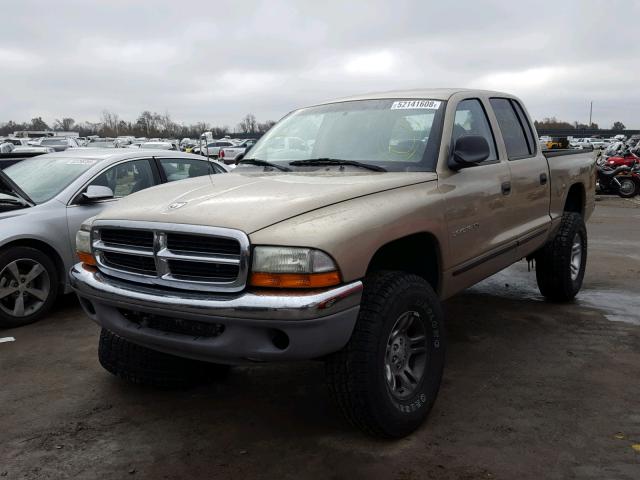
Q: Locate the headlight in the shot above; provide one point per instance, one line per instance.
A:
(83, 244)
(292, 267)
(83, 241)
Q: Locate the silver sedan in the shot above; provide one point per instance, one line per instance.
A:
(43, 201)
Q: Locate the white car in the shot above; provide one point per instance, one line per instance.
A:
(594, 143)
(212, 149)
(59, 144)
(18, 142)
(158, 145)
(33, 149)
(231, 155)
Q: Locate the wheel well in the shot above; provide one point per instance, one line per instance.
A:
(44, 248)
(418, 254)
(575, 199)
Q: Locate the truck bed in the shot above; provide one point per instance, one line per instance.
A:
(560, 152)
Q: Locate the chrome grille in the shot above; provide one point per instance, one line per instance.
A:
(182, 243)
(132, 263)
(172, 255)
(127, 237)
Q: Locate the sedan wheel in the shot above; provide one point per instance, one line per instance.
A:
(24, 287)
(28, 286)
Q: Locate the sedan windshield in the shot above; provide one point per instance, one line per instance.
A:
(43, 178)
(397, 135)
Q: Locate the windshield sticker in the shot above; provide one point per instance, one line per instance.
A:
(82, 161)
(411, 104)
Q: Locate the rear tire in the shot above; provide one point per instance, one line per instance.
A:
(369, 379)
(143, 366)
(628, 188)
(561, 263)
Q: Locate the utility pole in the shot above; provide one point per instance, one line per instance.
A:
(590, 113)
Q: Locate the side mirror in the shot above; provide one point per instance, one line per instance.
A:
(95, 193)
(469, 151)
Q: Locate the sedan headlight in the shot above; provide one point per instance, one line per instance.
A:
(293, 267)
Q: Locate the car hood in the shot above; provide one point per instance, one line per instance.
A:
(251, 201)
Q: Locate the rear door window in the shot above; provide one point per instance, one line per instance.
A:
(181, 168)
(127, 178)
(513, 131)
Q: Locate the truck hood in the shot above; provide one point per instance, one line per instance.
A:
(251, 201)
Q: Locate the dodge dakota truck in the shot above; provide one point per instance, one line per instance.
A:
(338, 246)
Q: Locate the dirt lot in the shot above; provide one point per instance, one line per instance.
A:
(531, 390)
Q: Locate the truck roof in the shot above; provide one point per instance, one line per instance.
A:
(426, 93)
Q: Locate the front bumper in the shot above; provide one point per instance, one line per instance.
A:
(258, 326)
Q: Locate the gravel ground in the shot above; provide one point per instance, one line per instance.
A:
(531, 390)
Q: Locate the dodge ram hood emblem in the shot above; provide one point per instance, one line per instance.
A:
(176, 205)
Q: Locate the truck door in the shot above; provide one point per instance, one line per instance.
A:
(530, 182)
(476, 204)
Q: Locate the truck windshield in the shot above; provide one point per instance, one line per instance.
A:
(396, 134)
(43, 178)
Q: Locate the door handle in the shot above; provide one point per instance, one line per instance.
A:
(543, 179)
(506, 188)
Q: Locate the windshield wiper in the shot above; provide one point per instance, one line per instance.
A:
(264, 163)
(13, 201)
(335, 161)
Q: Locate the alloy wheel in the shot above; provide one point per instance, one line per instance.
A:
(576, 256)
(24, 287)
(406, 355)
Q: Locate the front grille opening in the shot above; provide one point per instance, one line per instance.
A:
(127, 237)
(185, 243)
(192, 328)
(131, 263)
(215, 272)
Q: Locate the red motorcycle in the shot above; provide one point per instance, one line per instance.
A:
(623, 180)
(626, 158)
(630, 182)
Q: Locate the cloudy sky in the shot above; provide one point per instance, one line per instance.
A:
(215, 61)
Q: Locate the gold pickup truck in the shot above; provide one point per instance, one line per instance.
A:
(336, 238)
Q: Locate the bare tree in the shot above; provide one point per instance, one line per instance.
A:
(110, 123)
(146, 123)
(38, 124)
(249, 124)
(266, 126)
(66, 124)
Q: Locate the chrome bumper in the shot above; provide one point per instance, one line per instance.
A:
(315, 322)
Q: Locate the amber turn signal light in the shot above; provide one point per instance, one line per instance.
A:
(295, 280)
(87, 258)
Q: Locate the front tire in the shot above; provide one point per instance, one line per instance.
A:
(386, 379)
(28, 286)
(561, 263)
(143, 366)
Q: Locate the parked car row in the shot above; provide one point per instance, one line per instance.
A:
(595, 143)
